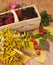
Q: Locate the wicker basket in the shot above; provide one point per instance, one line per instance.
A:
(25, 24)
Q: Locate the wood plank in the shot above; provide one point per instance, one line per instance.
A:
(41, 5)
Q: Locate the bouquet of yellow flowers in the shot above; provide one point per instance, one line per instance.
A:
(16, 48)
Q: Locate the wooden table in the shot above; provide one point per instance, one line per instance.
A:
(41, 5)
(49, 59)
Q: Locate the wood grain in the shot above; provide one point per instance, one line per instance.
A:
(49, 59)
(41, 5)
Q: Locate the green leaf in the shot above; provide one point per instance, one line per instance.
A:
(50, 37)
(44, 45)
(5, 9)
(46, 18)
(19, 5)
(36, 36)
(42, 42)
(29, 35)
(44, 36)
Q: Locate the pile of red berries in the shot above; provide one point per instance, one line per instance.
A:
(26, 13)
(36, 46)
(42, 31)
(7, 18)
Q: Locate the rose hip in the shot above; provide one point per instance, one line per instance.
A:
(41, 28)
(35, 47)
(31, 39)
(35, 43)
(39, 48)
(42, 31)
(38, 52)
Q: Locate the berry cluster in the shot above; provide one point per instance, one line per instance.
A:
(26, 13)
(7, 18)
(36, 46)
(42, 31)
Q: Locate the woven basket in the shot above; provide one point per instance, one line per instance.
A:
(25, 24)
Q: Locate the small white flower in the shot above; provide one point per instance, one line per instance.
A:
(18, 51)
(2, 40)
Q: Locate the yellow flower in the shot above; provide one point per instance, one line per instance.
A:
(13, 53)
(1, 33)
(18, 34)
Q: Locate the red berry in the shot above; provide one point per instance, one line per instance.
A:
(38, 52)
(39, 48)
(41, 33)
(19, 13)
(31, 39)
(35, 42)
(9, 15)
(8, 21)
(25, 17)
(36, 47)
(41, 28)
(44, 31)
(0, 23)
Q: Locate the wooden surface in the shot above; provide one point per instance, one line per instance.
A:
(41, 5)
(49, 59)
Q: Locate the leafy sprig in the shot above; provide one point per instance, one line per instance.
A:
(45, 18)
